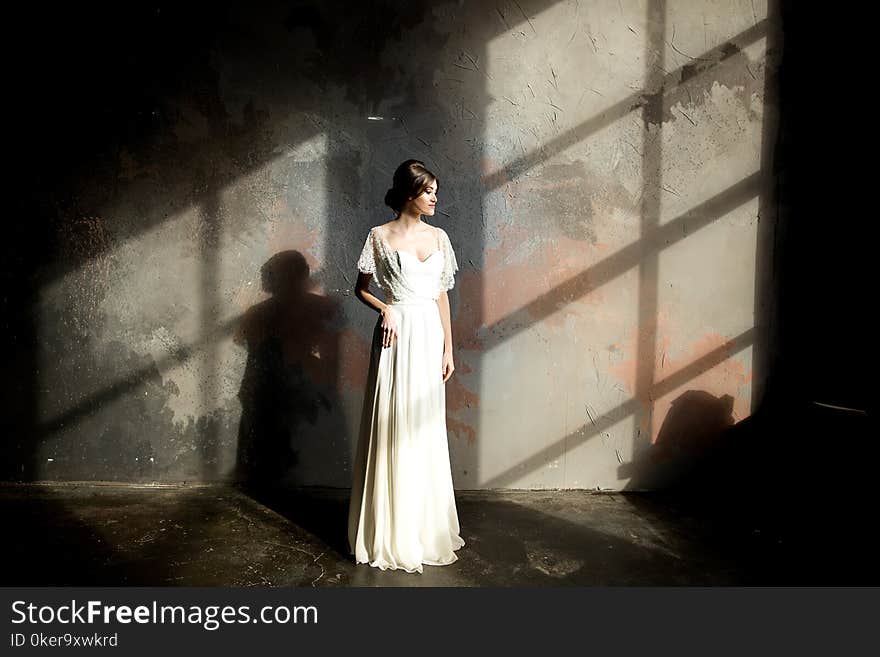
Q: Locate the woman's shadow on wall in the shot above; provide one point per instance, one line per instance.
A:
(292, 432)
(686, 452)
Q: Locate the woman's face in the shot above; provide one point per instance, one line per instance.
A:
(424, 203)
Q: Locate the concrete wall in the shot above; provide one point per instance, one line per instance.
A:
(604, 177)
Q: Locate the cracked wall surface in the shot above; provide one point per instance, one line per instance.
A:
(603, 178)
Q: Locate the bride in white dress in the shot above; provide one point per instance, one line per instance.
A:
(402, 512)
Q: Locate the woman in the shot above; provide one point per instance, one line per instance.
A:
(402, 512)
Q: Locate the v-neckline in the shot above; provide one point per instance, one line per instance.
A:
(417, 257)
(398, 251)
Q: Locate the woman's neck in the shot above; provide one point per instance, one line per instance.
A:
(409, 221)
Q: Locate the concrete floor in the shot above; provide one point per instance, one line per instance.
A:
(85, 534)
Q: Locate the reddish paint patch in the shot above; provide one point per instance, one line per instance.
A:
(509, 282)
(462, 367)
(466, 323)
(460, 429)
(291, 234)
(459, 398)
(726, 378)
(285, 234)
(626, 369)
(519, 271)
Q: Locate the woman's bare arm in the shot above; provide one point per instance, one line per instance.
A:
(362, 292)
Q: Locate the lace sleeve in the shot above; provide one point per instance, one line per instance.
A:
(450, 265)
(367, 262)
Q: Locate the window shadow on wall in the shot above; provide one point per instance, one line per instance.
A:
(662, 90)
(249, 140)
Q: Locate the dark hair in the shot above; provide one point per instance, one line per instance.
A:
(410, 179)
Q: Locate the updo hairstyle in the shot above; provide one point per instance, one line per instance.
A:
(410, 179)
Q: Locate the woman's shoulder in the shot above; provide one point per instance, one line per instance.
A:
(442, 233)
(380, 229)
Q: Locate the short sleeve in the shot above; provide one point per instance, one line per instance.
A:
(367, 262)
(450, 264)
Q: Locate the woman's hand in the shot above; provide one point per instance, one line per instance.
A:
(448, 366)
(389, 327)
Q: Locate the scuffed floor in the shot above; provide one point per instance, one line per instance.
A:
(84, 534)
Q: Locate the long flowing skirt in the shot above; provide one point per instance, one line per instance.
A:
(402, 512)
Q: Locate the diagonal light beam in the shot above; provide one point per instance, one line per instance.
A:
(617, 111)
(621, 261)
(559, 448)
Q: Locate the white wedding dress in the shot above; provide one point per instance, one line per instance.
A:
(402, 512)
